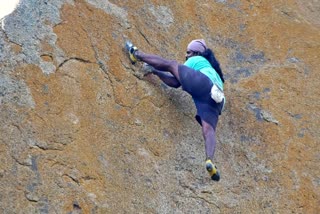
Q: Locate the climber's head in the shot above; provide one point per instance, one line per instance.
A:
(196, 47)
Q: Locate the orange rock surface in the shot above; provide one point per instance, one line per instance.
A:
(83, 131)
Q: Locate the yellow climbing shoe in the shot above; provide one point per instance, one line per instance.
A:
(131, 49)
(212, 169)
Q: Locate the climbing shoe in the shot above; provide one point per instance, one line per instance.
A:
(131, 49)
(212, 169)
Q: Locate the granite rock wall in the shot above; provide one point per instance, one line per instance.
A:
(83, 131)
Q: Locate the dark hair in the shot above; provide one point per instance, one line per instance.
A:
(209, 55)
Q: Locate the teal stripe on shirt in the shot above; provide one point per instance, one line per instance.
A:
(199, 63)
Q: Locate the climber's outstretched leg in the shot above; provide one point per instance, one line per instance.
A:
(159, 63)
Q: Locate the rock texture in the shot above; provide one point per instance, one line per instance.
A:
(83, 131)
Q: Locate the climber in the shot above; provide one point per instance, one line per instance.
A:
(202, 78)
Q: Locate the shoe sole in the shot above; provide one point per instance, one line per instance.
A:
(128, 45)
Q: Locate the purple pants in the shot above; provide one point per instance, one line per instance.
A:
(198, 85)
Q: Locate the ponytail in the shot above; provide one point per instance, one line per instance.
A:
(209, 55)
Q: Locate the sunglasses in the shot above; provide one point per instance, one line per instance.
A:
(189, 52)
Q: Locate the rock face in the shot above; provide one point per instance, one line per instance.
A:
(82, 131)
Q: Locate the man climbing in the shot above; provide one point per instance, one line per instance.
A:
(201, 77)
